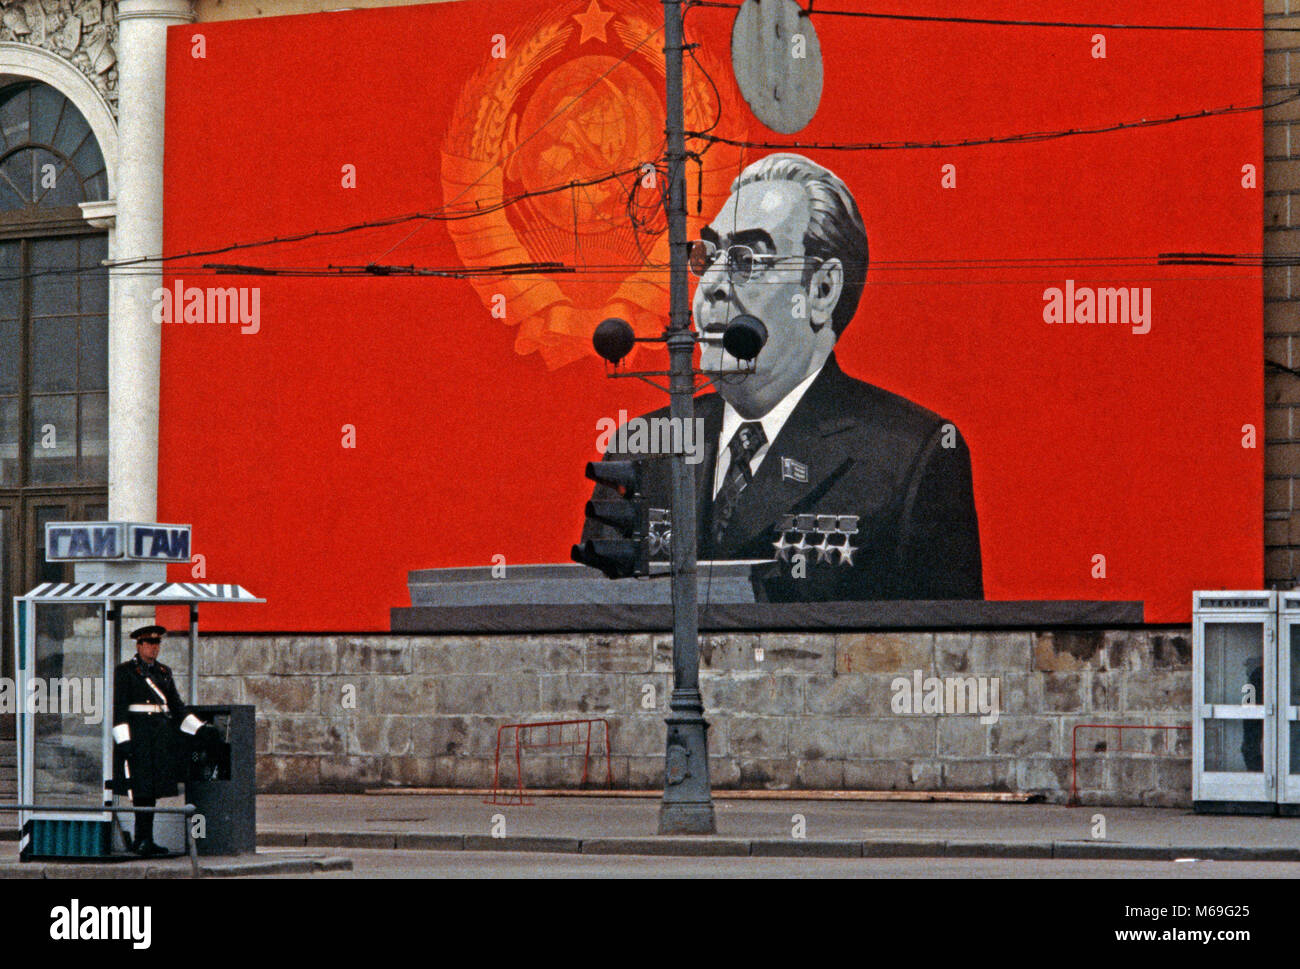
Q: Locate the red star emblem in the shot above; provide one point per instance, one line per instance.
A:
(593, 22)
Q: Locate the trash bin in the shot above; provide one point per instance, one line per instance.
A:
(222, 782)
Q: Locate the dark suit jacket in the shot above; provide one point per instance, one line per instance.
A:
(867, 453)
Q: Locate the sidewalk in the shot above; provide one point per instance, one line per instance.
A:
(832, 829)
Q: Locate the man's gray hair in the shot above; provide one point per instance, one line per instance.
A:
(835, 227)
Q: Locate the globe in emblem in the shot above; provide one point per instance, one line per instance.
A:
(609, 127)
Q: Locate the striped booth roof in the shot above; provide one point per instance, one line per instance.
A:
(162, 593)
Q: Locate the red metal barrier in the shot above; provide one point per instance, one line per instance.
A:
(554, 737)
(1121, 727)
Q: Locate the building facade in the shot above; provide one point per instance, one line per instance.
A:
(82, 102)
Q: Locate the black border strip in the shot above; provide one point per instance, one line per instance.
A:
(812, 616)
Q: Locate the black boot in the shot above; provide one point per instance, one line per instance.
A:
(144, 845)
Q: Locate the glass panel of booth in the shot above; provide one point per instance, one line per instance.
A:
(1234, 677)
(1293, 701)
(69, 704)
(8, 589)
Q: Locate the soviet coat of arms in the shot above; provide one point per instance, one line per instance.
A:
(578, 95)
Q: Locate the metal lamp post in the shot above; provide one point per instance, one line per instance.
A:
(687, 807)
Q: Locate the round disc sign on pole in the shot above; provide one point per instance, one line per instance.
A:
(777, 60)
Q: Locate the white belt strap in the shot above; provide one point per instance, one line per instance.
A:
(145, 708)
(161, 695)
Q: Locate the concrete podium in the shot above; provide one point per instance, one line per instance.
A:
(571, 597)
(568, 585)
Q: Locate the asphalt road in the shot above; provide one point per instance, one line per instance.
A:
(492, 864)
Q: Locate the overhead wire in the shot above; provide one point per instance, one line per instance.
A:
(125, 267)
(1009, 22)
(1166, 260)
(1018, 138)
(448, 212)
(442, 215)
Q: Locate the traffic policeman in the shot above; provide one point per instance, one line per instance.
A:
(150, 722)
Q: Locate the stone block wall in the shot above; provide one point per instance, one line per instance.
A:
(787, 710)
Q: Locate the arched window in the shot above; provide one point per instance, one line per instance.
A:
(49, 158)
(53, 331)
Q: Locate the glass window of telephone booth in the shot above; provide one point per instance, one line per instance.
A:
(53, 334)
(1234, 677)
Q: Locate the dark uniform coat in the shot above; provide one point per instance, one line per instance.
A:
(850, 456)
(158, 748)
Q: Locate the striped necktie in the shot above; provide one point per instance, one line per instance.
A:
(749, 438)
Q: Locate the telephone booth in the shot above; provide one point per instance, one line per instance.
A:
(68, 640)
(1288, 704)
(1234, 668)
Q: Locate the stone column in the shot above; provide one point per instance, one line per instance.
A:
(134, 340)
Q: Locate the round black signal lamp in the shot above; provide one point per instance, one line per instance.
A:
(744, 337)
(613, 339)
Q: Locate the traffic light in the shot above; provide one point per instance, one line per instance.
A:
(629, 515)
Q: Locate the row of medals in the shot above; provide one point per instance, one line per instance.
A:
(828, 549)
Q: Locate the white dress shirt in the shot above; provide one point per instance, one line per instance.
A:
(772, 423)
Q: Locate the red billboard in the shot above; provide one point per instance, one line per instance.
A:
(423, 212)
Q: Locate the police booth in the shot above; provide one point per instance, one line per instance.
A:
(1246, 702)
(68, 640)
(1288, 704)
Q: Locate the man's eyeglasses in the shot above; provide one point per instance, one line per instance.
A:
(743, 263)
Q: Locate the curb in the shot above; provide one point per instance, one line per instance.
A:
(286, 866)
(234, 868)
(682, 847)
(712, 846)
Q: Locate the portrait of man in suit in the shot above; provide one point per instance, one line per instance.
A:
(849, 491)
